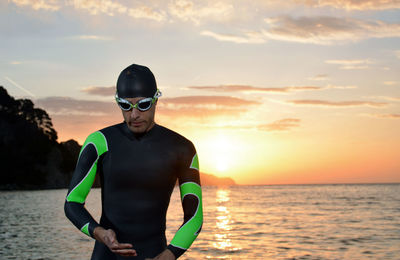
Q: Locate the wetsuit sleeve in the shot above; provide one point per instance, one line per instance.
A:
(82, 181)
(191, 198)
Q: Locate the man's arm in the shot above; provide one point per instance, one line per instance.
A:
(82, 181)
(191, 198)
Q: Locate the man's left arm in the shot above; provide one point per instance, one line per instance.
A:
(191, 198)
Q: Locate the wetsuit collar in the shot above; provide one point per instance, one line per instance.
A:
(127, 132)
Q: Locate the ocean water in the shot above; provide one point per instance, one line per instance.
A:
(344, 221)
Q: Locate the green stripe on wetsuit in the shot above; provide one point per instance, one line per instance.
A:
(185, 236)
(80, 192)
(195, 162)
(85, 229)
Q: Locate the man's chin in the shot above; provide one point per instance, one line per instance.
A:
(137, 130)
(141, 128)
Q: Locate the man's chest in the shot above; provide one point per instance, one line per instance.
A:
(135, 164)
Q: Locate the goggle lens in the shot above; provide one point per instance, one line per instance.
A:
(124, 106)
(144, 105)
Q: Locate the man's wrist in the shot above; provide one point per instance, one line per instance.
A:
(176, 251)
(97, 233)
(170, 254)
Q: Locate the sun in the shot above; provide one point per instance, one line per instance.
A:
(220, 152)
(222, 164)
(240, 155)
(229, 153)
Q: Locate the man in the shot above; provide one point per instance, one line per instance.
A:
(138, 162)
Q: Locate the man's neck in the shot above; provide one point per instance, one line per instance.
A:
(140, 135)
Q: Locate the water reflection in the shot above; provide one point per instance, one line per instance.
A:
(223, 222)
(280, 222)
(223, 195)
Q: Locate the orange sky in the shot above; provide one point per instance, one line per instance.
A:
(269, 92)
(323, 146)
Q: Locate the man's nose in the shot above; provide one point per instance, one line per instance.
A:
(135, 113)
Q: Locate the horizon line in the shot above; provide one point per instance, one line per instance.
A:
(333, 183)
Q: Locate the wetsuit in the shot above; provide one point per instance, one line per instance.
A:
(137, 175)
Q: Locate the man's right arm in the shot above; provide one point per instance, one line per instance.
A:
(82, 181)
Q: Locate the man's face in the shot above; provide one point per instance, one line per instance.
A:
(137, 121)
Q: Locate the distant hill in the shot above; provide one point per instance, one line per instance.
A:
(211, 180)
(30, 155)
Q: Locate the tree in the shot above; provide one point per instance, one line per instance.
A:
(26, 138)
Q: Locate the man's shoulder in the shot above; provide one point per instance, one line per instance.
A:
(182, 145)
(105, 131)
(175, 136)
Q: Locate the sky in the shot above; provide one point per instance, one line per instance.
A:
(269, 92)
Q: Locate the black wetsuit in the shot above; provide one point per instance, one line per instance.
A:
(137, 175)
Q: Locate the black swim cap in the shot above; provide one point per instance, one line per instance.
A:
(136, 81)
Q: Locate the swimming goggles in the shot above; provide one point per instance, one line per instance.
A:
(142, 105)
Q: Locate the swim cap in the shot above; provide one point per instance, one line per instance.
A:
(136, 81)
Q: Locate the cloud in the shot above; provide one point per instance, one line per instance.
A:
(319, 77)
(196, 12)
(147, 12)
(15, 62)
(208, 101)
(248, 37)
(336, 103)
(198, 113)
(397, 53)
(71, 106)
(203, 107)
(94, 7)
(48, 5)
(281, 125)
(91, 37)
(340, 87)
(248, 88)
(327, 30)
(99, 91)
(352, 4)
(183, 10)
(78, 118)
(110, 91)
(322, 30)
(178, 106)
(390, 116)
(391, 83)
(111, 8)
(384, 97)
(351, 64)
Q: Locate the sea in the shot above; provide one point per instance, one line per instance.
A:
(330, 221)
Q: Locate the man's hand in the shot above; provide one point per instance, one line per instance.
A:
(165, 255)
(109, 238)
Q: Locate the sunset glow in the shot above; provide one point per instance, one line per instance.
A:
(269, 92)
